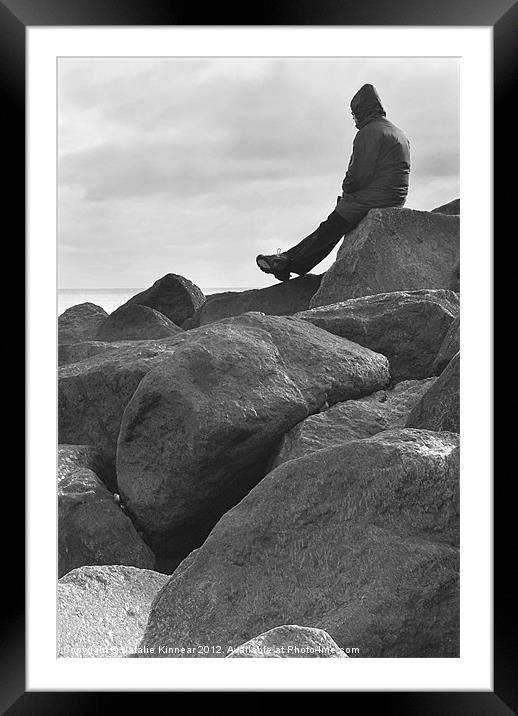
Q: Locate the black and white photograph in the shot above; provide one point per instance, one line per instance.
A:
(259, 336)
(252, 433)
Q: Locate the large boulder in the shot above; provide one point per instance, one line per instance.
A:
(406, 326)
(198, 432)
(174, 296)
(93, 393)
(452, 207)
(133, 322)
(360, 540)
(103, 611)
(80, 323)
(92, 527)
(439, 407)
(282, 299)
(352, 420)
(290, 641)
(73, 457)
(392, 250)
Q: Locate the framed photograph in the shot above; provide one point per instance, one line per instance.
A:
(251, 231)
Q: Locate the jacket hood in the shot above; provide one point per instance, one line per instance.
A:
(366, 105)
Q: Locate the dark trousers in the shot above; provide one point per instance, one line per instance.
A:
(314, 248)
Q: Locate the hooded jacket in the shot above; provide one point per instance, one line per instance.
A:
(379, 166)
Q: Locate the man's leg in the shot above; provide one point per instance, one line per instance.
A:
(314, 248)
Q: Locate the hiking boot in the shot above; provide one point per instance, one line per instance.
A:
(276, 264)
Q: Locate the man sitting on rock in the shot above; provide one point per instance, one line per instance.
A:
(377, 176)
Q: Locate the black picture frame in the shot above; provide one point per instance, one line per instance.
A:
(15, 17)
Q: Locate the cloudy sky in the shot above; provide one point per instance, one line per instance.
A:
(194, 166)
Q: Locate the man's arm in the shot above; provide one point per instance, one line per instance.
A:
(362, 163)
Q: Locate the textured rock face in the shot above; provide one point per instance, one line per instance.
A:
(102, 611)
(72, 457)
(352, 420)
(282, 299)
(452, 207)
(439, 407)
(92, 528)
(93, 393)
(290, 641)
(80, 323)
(406, 326)
(133, 322)
(455, 277)
(75, 352)
(449, 347)
(360, 540)
(198, 432)
(174, 296)
(392, 250)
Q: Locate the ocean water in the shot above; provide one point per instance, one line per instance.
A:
(111, 298)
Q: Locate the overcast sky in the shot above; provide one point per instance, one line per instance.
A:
(194, 166)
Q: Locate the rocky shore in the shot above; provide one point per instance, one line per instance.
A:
(271, 473)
